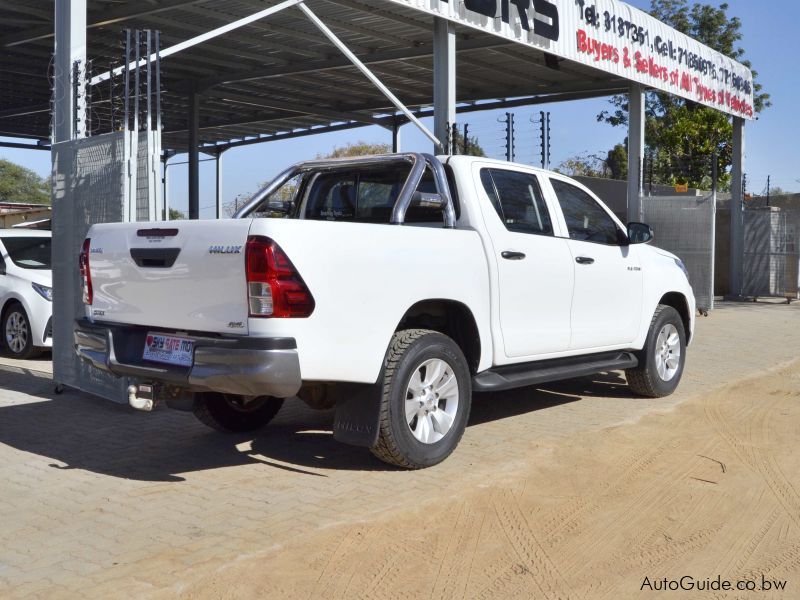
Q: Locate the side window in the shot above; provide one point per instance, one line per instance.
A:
(586, 219)
(518, 201)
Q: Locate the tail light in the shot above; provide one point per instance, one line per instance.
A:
(274, 287)
(86, 275)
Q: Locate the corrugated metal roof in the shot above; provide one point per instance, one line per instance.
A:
(278, 76)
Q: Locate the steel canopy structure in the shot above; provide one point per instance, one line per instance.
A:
(277, 77)
(280, 77)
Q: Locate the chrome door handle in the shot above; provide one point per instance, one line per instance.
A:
(509, 255)
(584, 260)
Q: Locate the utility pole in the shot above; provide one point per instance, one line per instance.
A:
(769, 180)
(466, 138)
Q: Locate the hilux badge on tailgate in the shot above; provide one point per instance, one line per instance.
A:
(224, 249)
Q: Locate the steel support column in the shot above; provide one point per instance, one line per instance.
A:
(396, 135)
(165, 183)
(69, 109)
(218, 165)
(636, 106)
(737, 210)
(444, 83)
(194, 155)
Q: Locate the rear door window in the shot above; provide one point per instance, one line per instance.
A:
(518, 200)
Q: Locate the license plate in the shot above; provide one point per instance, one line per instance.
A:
(169, 349)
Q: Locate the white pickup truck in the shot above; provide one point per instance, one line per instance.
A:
(389, 287)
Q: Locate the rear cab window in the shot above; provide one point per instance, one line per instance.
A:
(356, 195)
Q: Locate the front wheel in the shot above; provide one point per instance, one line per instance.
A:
(662, 359)
(425, 399)
(17, 334)
(235, 414)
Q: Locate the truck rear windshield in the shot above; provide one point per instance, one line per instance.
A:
(29, 252)
(362, 195)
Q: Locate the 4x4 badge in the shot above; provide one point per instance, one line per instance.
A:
(224, 249)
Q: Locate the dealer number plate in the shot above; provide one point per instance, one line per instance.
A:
(168, 349)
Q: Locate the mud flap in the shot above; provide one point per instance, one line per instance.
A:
(358, 409)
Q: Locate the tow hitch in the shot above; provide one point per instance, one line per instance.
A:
(141, 396)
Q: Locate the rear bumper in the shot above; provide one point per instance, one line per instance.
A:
(243, 366)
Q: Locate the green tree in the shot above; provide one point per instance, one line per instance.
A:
(18, 184)
(473, 146)
(613, 166)
(582, 165)
(176, 215)
(682, 135)
(359, 148)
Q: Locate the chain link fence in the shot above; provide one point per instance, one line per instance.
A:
(88, 182)
(771, 262)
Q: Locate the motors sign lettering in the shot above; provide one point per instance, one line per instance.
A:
(614, 37)
(548, 29)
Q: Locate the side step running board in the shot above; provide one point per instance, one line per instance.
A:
(533, 373)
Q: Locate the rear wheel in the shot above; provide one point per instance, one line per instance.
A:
(425, 399)
(235, 414)
(662, 359)
(17, 334)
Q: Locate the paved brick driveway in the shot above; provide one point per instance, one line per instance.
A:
(100, 501)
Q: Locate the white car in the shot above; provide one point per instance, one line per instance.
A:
(26, 292)
(390, 287)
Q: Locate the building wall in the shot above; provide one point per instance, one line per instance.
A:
(11, 217)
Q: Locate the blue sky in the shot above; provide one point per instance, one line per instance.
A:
(771, 142)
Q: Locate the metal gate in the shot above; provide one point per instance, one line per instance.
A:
(686, 226)
(105, 178)
(771, 253)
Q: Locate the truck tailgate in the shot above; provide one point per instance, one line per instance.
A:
(178, 275)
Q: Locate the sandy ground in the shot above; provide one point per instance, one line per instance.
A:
(576, 489)
(708, 489)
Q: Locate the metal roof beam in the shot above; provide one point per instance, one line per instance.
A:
(497, 104)
(132, 10)
(38, 146)
(423, 26)
(24, 110)
(423, 50)
(228, 50)
(180, 47)
(270, 28)
(294, 107)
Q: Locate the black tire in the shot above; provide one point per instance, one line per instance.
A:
(408, 351)
(644, 380)
(28, 350)
(229, 414)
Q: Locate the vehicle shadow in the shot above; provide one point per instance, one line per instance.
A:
(78, 431)
(500, 405)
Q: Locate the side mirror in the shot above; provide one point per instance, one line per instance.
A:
(427, 200)
(640, 233)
